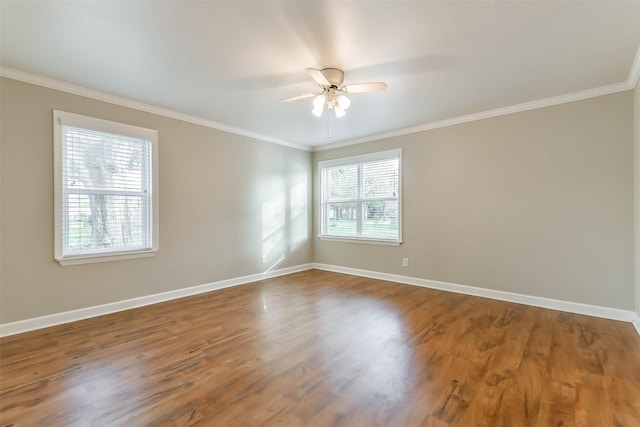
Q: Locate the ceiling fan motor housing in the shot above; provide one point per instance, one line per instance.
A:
(334, 76)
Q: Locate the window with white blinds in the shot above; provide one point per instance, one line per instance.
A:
(360, 198)
(105, 186)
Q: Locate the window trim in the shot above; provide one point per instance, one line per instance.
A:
(380, 155)
(62, 118)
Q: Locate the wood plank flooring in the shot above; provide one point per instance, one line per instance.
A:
(325, 349)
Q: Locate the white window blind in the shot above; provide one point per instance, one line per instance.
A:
(105, 189)
(360, 197)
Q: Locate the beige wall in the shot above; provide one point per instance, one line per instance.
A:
(539, 203)
(223, 198)
(636, 137)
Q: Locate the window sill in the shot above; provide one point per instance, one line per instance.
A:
(88, 259)
(361, 240)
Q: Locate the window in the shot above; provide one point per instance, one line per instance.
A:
(105, 185)
(360, 198)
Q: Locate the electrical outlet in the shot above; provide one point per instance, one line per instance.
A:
(263, 259)
(405, 262)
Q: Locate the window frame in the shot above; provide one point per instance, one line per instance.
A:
(62, 118)
(358, 160)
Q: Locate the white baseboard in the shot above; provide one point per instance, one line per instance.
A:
(554, 304)
(99, 310)
(636, 322)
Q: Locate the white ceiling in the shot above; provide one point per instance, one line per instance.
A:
(231, 62)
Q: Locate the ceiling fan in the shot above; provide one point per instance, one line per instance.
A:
(331, 95)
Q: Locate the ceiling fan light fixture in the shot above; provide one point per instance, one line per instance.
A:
(343, 102)
(317, 111)
(318, 105)
(318, 101)
(332, 95)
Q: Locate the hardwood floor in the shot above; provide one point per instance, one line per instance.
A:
(325, 349)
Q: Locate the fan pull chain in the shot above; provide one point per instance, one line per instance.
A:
(329, 125)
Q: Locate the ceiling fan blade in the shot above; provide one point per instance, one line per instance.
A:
(318, 77)
(365, 87)
(295, 98)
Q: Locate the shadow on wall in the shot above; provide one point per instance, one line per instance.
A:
(284, 217)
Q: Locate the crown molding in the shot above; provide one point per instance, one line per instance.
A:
(49, 83)
(634, 73)
(629, 84)
(518, 108)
